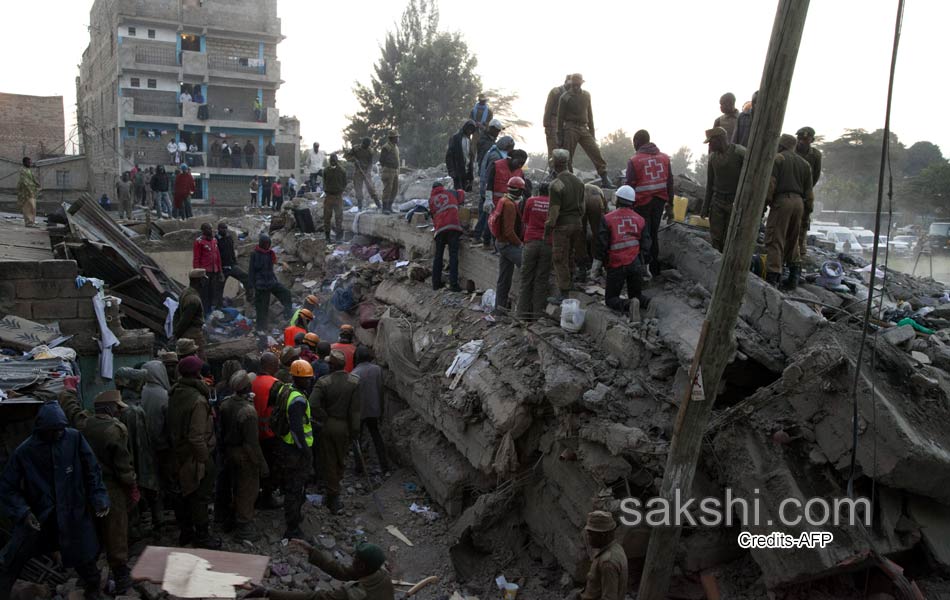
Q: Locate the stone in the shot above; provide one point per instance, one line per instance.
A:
(920, 357)
(899, 335)
(596, 398)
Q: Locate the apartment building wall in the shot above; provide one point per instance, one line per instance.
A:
(31, 126)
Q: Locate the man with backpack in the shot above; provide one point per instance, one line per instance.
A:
(497, 175)
(444, 208)
(291, 423)
(504, 224)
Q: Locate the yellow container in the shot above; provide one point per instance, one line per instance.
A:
(679, 208)
(697, 221)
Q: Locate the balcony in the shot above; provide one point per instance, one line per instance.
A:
(154, 108)
(194, 64)
(151, 58)
(222, 117)
(236, 15)
(244, 69)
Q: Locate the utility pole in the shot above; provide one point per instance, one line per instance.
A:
(717, 344)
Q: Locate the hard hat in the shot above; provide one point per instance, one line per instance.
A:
(496, 124)
(626, 195)
(516, 183)
(301, 368)
(306, 313)
(311, 299)
(311, 339)
(346, 327)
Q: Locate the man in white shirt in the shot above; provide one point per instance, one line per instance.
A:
(315, 162)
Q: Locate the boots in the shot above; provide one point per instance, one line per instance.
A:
(773, 279)
(794, 275)
(334, 505)
(204, 539)
(123, 580)
(605, 183)
(634, 310)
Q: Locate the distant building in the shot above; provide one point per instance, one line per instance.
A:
(31, 126)
(144, 54)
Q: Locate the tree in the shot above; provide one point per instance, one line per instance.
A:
(681, 160)
(920, 156)
(701, 169)
(501, 102)
(850, 166)
(616, 148)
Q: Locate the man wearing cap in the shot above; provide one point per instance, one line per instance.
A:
(261, 277)
(650, 174)
(812, 155)
(623, 239)
(550, 114)
(155, 404)
(335, 406)
(371, 402)
(334, 183)
(288, 355)
(607, 577)
(362, 157)
(366, 578)
(346, 345)
(229, 264)
(730, 115)
(207, 256)
(243, 456)
(790, 190)
(304, 316)
(486, 140)
(292, 423)
(508, 243)
(458, 157)
(722, 181)
(192, 434)
(500, 150)
(389, 170)
(566, 211)
(575, 125)
(444, 207)
(261, 388)
(189, 318)
(109, 440)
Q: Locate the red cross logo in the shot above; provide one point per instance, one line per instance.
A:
(654, 169)
(627, 226)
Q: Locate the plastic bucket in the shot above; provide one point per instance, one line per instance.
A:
(680, 205)
(572, 316)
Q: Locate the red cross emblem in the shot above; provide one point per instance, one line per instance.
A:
(654, 169)
(627, 226)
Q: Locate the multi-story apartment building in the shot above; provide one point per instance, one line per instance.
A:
(144, 54)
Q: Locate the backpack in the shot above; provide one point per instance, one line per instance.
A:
(277, 400)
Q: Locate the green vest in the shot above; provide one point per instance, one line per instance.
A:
(307, 426)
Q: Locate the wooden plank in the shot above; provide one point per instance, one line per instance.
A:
(149, 309)
(137, 316)
(151, 564)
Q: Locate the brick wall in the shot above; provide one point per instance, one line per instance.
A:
(229, 190)
(31, 126)
(227, 47)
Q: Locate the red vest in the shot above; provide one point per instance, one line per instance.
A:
(502, 174)
(444, 208)
(534, 217)
(652, 172)
(625, 227)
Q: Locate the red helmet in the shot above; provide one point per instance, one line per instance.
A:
(516, 183)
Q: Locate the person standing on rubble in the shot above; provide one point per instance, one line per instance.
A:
(650, 174)
(497, 175)
(27, 190)
(486, 140)
(458, 157)
(812, 155)
(722, 182)
(192, 434)
(730, 115)
(622, 241)
(550, 115)
(565, 214)
(362, 157)
(184, 190)
(790, 190)
(243, 456)
(54, 457)
(744, 123)
(371, 403)
(444, 207)
(607, 578)
(500, 150)
(189, 321)
(575, 125)
(123, 193)
(292, 422)
(277, 195)
(335, 405)
(159, 185)
(508, 243)
(334, 184)
(308, 351)
(229, 263)
(261, 388)
(389, 163)
(311, 303)
(155, 405)
(346, 345)
(206, 255)
(261, 277)
(109, 440)
(288, 355)
(319, 364)
(315, 162)
(130, 382)
(595, 206)
(139, 186)
(304, 316)
(536, 261)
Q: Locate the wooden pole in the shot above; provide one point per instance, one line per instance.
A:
(719, 344)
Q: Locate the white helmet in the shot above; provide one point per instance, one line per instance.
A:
(626, 195)
(496, 124)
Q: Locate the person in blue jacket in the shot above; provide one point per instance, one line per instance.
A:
(51, 489)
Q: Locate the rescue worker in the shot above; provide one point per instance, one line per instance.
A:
(729, 117)
(207, 256)
(320, 365)
(304, 316)
(536, 260)
(362, 157)
(288, 355)
(607, 576)
(458, 157)
(311, 303)
(334, 183)
(371, 403)
(129, 382)
(261, 276)
(335, 405)
(595, 206)
(575, 125)
(389, 170)
(155, 405)
(185, 347)
(649, 173)
(292, 422)
(346, 345)
(27, 190)
(192, 434)
(261, 388)
(308, 350)
(109, 440)
(812, 155)
(486, 140)
(365, 579)
(722, 181)
(189, 318)
(622, 241)
(500, 172)
(791, 189)
(54, 457)
(565, 214)
(497, 152)
(229, 264)
(744, 123)
(243, 456)
(444, 207)
(550, 115)
(76, 415)
(508, 243)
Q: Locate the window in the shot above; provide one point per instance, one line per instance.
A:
(151, 34)
(135, 82)
(131, 31)
(152, 84)
(62, 179)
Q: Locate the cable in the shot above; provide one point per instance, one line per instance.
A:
(885, 149)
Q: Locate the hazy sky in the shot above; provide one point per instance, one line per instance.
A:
(655, 65)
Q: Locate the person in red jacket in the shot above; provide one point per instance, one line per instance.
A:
(346, 345)
(205, 255)
(184, 190)
(508, 242)
(444, 209)
(261, 388)
(304, 316)
(497, 176)
(536, 259)
(277, 195)
(622, 243)
(649, 173)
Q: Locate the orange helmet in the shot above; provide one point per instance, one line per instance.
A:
(301, 368)
(311, 339)
(311, 299)
(516, 183)
(306, 313)
(347, 327)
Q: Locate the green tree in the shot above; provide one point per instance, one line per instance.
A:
(920, 156)
(850, 167)
(700, 169)
(616, 148)
(681, 160)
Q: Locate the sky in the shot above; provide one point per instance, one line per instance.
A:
(660, 66)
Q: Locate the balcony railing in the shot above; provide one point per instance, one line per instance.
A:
(254, 66)
(158, 108)
(156, 55)
(237, 162)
